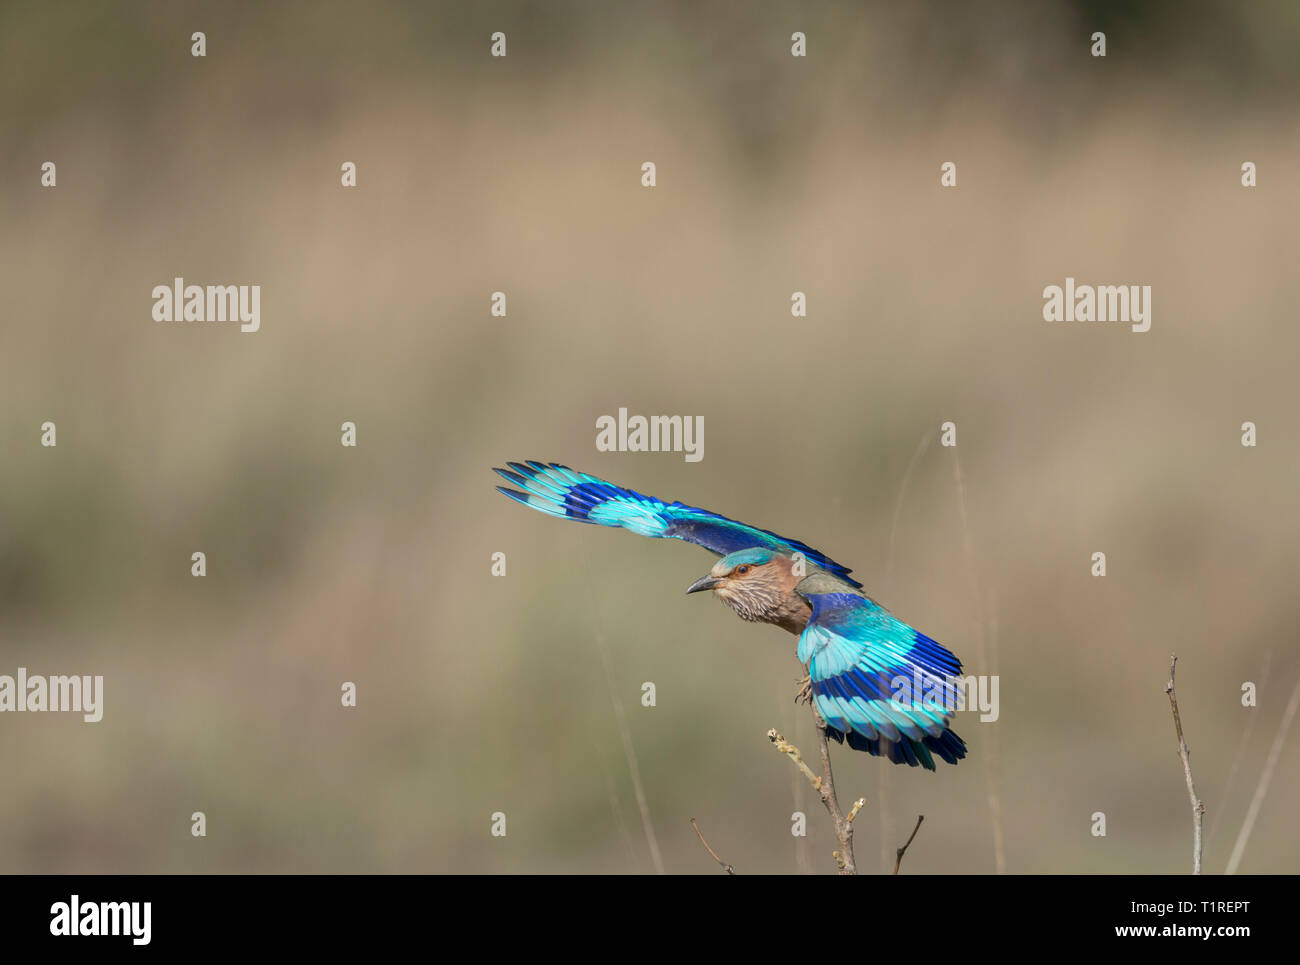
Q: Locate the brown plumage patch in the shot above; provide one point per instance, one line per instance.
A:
(764, 593)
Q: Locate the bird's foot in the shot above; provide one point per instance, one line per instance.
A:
(804, 694)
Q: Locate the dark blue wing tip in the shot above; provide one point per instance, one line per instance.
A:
(532, 468)
(513, 494)
(514, 477)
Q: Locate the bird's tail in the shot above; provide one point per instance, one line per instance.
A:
(915, 753)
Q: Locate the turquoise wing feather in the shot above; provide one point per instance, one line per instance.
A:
(560, 491)
(879, 684)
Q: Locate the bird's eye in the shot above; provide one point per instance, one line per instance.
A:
(743, 569)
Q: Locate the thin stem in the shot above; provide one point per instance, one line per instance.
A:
(629, 752)
(992, 759)
(788, 749)
(1241, 751)
(1198, 809)
(1261, 789)
(824, 785)
(725, 866)
(898, 856)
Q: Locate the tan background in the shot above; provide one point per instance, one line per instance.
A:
(480, 694)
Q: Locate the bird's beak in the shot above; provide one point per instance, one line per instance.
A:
(705, 582)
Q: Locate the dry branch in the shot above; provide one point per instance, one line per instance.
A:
(725, 866)
(898, 855)
(824, 785)
(1198, 809)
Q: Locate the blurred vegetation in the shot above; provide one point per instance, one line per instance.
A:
(479, 694)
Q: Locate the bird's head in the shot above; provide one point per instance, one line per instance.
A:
(753, 582)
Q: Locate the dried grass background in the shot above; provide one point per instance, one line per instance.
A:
(479, 694)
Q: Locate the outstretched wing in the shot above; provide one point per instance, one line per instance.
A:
(560, 491)
(879, 684)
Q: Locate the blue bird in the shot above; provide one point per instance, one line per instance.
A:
(877, 683)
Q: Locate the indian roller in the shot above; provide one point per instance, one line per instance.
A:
(856, 652)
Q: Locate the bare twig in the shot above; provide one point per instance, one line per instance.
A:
(1198, 809)
(824, 785)
(725, 866)
(843, 829)
(1261, 789)
(898, 855)
(857, 806)
(785, 747)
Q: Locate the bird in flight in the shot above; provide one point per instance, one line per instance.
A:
(855, 650)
